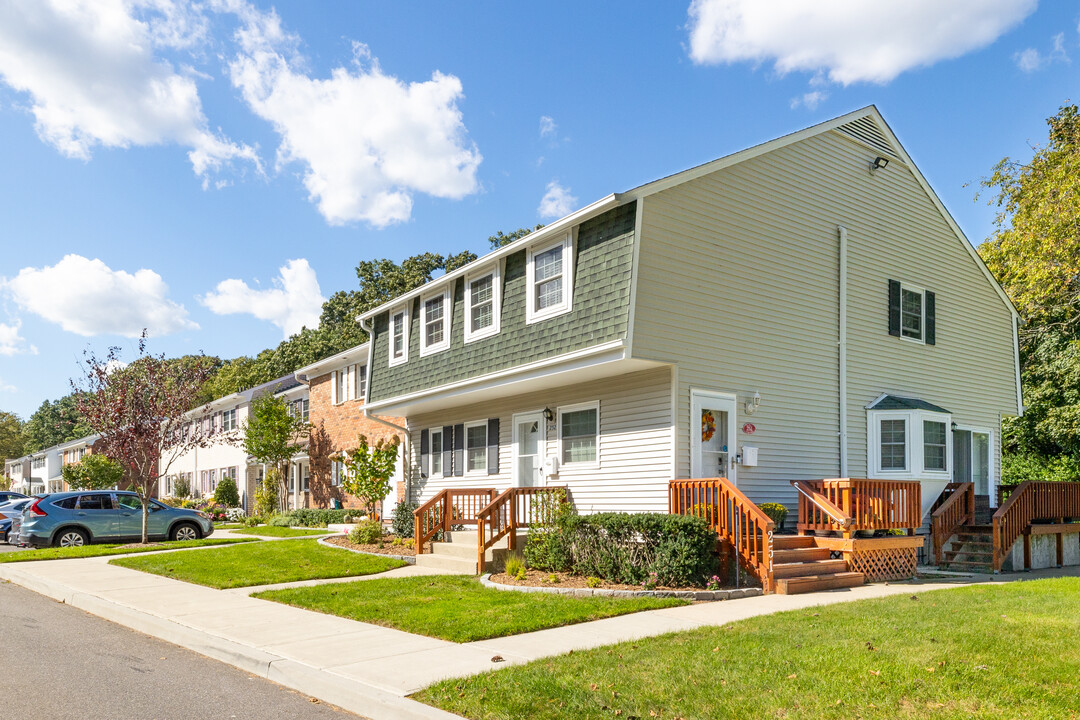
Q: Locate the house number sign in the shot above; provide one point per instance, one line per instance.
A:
(749, 428)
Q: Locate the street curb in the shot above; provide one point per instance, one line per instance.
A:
(696, 595)
(349, 694)
(409, 559)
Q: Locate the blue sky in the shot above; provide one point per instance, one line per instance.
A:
(211, 170)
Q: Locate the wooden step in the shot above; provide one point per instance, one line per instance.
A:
(969, 566)
(814, 567)
(803, 554)
(813, 583)
(792, 542)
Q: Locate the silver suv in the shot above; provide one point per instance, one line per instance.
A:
(70, 519)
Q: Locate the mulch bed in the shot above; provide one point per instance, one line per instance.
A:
(386, 549)
(539, 578)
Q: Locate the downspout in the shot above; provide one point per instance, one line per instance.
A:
(406, 444)
(841, 232)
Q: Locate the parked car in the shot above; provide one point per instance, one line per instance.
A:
(8, 511)
(72, 519)
(10, 495)
(5, 528)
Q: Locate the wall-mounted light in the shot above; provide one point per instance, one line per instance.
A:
(954, 426)
(878, 163)
(548, 414)
(753, 403)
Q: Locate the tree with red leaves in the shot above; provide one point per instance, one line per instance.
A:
(143, 412)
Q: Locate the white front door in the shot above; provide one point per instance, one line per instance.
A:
(712, 435)
(528, 449)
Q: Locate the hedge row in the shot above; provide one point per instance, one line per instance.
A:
(314, 517)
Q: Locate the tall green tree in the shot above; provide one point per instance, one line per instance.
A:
(12, 436)
(500, 238)
(54, 422)
(1034, 253)
(93, 472)
(273, 435)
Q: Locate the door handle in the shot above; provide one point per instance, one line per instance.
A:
(82, 514)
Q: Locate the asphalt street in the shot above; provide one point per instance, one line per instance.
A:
(60, 663)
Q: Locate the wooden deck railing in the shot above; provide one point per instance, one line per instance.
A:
(1029, 502)
(955, 511)
(868, 504)
(736, 520)
(458, 506)
(510, 511)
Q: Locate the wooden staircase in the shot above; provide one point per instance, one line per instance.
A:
(970, 549)
(459, 552)
(800, 565)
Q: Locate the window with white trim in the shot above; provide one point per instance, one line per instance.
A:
(228, 420)
(911, 312)
(399, 335)
(360, 377)
(339, 386)
(909, 444)
(549, 271)
(435, 457)
(579, 432)
(337, 471)
(435, 322)
(482, 304)
(476, 447)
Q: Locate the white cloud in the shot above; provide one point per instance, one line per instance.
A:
(810, 100)
(4, 387)
(11, 342)
(89, 298)
(1030, 59)
(94, 78)
(851, 40)
(557, 201)
(547, 126)
(294, 302)
(368, 140)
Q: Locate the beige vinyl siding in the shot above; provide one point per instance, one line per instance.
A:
(634, 447)
(738, 284)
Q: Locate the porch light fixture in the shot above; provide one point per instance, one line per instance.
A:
(548, 414)
(879, 163)
(753, 403)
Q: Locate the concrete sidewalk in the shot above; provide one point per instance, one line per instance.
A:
(361, 667)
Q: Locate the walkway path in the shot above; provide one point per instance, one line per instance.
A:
(358, 666)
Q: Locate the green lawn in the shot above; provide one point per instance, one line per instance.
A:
(98, 550)
(228, 525)
(274, 531)
(456, 608)
(992, 651)
(261, 563)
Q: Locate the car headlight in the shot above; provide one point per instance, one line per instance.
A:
(201, 514)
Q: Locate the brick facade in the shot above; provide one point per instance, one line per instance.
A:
(338, 426)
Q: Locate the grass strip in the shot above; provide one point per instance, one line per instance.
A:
(57, 553)
(261, 563)
(989, 651)
(274, 531)
(456, 608)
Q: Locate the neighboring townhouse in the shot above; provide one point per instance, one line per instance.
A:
(224, 456)
(69, 453)
(800, 310)
(16, 469)
(37, 469)
(336, 387)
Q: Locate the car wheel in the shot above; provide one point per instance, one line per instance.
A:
(71, 537)
(184, 531)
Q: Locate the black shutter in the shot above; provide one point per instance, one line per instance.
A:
(493, 446)
(931, 325)
(425, 451)
(894, 307)
(459, 450)
(447, 451)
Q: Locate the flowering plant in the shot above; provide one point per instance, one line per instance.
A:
(713, 583)
(708, 425)
(650, 582)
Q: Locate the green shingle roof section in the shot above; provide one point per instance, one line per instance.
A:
(894, 402)
(601, 306)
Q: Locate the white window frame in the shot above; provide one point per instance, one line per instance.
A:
(496, 303)
(532, 314)
(444, 344)
(403, 311)
(465, 446)
(916, 469)
(563, 409)
(906, 287)
(359, 384)
(430, 469)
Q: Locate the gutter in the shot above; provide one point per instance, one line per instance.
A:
(841, 233)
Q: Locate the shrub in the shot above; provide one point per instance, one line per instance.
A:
(320, 517)
(776, 512)
(402, 519)
(252, 521)
(347, 519)
(266, 497)
(234, 513)
(515, 564)
(593, 582)
(181, 487)
(173, 501)
(226, 494)
(546, 548)
(368, 532)
(211, 508)
(628, 548)
(281, 521)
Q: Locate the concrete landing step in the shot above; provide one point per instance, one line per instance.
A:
(813, 583)
(447, 562)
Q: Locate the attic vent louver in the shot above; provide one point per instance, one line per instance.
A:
(866, 130)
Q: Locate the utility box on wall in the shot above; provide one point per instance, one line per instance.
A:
(749, 456)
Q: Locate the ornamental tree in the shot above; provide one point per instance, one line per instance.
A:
(273, 435)
(369, 469)
(93, 472)
(143, 412)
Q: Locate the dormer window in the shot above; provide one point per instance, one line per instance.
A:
(399, 335)
(482, 294)
(550, 279)
(435, 323)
